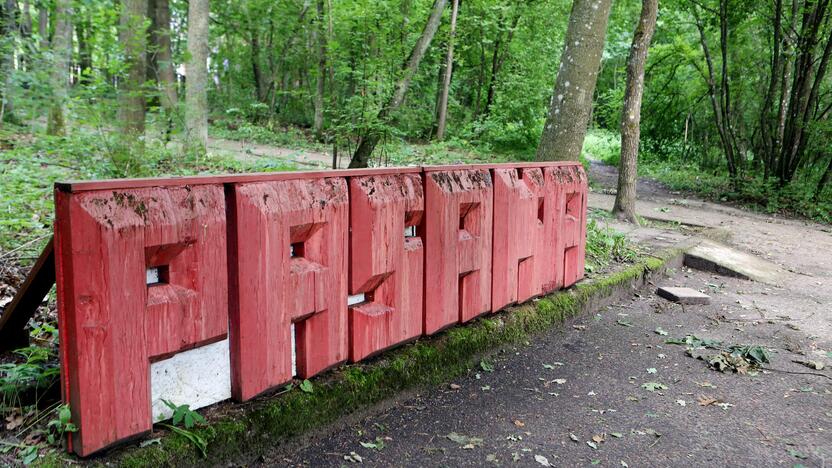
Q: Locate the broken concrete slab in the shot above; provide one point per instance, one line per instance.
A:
(721, 259)
(683, 295)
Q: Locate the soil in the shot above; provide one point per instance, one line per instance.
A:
(576, 395)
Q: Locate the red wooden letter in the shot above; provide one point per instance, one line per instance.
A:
(458, 223)
(288, 252)
(112, 323)
(386, 262)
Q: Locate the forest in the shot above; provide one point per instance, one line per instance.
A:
(736, 94)
(725, 100)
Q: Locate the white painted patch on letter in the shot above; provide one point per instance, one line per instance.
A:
(198, 377)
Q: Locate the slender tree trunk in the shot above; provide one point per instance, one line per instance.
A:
(84, 32)
(442, 114)
(625, 198)
(566, 123)
(43, 27)
(59, 76)
(133, 38)
(260, 88)
(196, 89)
(320, 31)
(368, 143)
(719, 117)
(165, 73)
(827, 174)
(9, 32)
(501, 49)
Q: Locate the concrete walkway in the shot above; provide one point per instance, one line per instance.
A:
(607, 390)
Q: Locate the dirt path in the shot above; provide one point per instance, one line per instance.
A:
(244, 150)
(577, 396)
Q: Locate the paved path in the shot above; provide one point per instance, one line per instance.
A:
(576, 396)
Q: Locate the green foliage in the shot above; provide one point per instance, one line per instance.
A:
(605, 245)
(36, 372)
(58, 427)
(182, 414)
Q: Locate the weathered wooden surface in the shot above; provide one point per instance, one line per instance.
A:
(34, 289)
(269, 261)
(387, 262)
(289, 261)
(458, 223)
(112, 323)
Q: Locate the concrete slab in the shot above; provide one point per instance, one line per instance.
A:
(683, 295)
(721, 259)
(198, 377)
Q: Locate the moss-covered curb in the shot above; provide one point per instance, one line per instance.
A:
(256, 426)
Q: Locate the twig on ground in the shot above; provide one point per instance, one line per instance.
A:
(819, 374)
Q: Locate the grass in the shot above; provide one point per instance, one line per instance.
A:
(269, 420)
(753, 193)
(31, 163)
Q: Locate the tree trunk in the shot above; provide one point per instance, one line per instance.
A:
(9, 32)
(196, 91)
(165, 73)
(59, 75)
(827, 174)
(565, 128)
(498, 58)
(43, 27)
(442, 114)
(84, 34)
(131, 96)
(369, 141)
(625, 198)
(320, 30)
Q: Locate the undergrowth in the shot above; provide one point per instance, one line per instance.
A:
(712, 183)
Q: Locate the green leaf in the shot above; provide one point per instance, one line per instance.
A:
(797, 454)
(623, 323)
(653, 386)
(487, 366)
(306, 386)
(192, 437)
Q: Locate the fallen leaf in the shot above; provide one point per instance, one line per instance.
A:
(353, 458)
(455, 386)
(559, 381)
(598, 438)
(623, 323)
(542, 460)
(579, 327)
(491, 458)
(14, 420)
(659, 331)
(519, 423)
(573, 437)
(149, 442)
(592, 444)
(681, 402)
(706, 400)
(653, 386)
(617, 435)
(651, 370)
(465, 441)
